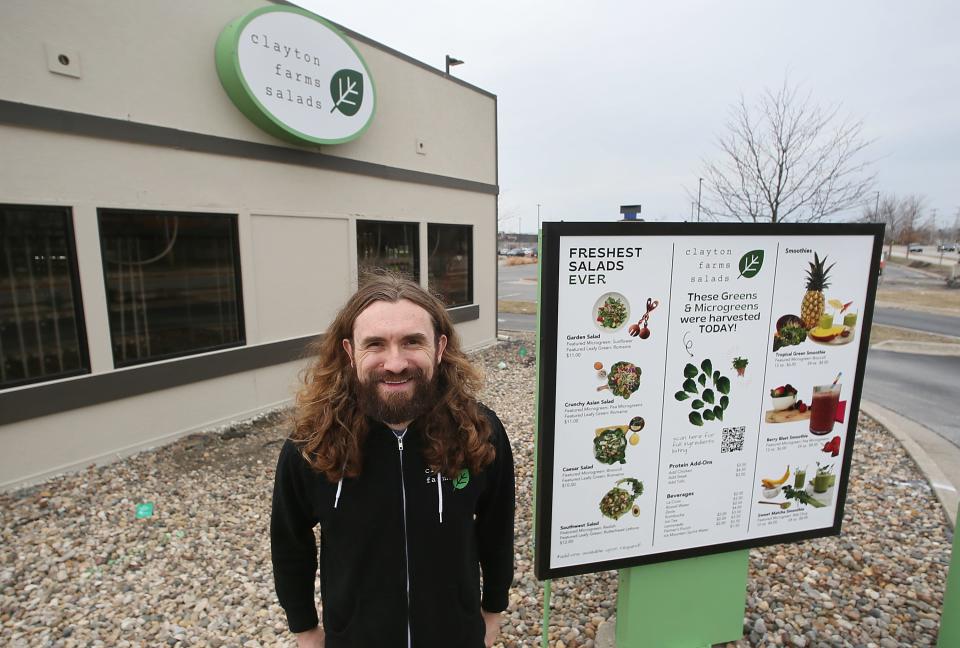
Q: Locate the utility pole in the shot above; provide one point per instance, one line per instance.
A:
(699, 191)
(538, 218)
(876, 209)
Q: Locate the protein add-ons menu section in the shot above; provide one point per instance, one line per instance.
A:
(697, 385)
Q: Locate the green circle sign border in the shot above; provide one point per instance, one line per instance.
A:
(228, 69)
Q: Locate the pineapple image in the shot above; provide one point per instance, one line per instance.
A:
(812, 307)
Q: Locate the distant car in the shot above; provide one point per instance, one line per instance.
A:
(515, 252)
(914, 247)
(947, 247)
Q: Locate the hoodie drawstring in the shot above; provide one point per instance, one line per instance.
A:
(440, 494)
(336, 499)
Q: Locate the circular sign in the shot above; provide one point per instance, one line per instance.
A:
(295, 76)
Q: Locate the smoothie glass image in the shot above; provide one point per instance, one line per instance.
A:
(850, 320)
(823, 408)
(821, 483)
(822, 480)
(800, 477)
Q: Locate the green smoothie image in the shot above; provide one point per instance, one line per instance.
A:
(799, 477)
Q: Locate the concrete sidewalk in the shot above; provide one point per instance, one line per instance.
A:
(937, 458)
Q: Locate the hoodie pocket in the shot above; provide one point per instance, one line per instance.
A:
(338, 621)
(460, 619)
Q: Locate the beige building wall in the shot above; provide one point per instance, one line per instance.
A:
(152, 63)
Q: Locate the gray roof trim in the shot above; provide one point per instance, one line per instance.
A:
(54, 119)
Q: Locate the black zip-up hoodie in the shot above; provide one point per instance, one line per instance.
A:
(389, 532)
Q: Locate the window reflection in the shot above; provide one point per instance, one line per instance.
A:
(450, 262)
(389, 245)
(173, 283)
(41, 329)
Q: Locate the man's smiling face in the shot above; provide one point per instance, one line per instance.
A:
(395, 355)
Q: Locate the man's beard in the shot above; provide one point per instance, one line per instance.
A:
(398, 407)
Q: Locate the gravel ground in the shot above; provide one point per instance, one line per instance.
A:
(78, 568)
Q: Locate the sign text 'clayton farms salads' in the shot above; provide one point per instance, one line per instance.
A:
(699, 387)
(295, 75)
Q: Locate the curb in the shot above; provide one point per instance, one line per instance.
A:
(919, 441)
(918, 347)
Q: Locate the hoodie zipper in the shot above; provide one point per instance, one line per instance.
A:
(406, 551)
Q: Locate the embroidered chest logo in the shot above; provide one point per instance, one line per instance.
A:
(459, 482)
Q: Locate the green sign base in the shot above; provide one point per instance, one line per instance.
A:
(692, 603)
(950, 620)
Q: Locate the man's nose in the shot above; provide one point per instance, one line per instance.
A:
(395, 360)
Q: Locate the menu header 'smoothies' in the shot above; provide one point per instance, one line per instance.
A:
(295, 76)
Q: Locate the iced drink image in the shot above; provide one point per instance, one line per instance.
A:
(850, 320)
(823, 408)
(800, 477)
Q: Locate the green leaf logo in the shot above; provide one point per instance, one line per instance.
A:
(750, 264)
(462, 479)
(346, 88)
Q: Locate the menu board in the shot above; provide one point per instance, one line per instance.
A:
(698, 388)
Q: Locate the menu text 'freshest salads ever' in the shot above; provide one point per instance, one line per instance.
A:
(703, 389)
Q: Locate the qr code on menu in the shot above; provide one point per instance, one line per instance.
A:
(732, 440)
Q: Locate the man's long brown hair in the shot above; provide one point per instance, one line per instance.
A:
(329, 426)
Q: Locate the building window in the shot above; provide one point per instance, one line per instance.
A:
(41, 317)
(450, 263)
(173, 283)
(389, 245)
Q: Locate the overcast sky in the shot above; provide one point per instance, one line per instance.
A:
(609, 103)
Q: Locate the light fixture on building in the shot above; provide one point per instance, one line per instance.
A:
(451, 62)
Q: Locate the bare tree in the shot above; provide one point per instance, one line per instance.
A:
(886, 210)
(786, 159)
(910, 209)
(901, 217)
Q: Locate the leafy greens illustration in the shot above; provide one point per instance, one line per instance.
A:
(705, 405)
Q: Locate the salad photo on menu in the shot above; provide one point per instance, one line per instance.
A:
(611, 311)
(619, 500)
(623, 379)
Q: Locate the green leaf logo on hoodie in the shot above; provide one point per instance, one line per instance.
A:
(461, 480)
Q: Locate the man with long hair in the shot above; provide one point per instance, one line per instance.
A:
(409, 478)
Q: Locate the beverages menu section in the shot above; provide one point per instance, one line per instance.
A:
(702, 392)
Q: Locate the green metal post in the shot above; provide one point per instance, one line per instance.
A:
(950, 619)
(690, 603)
(545, 634)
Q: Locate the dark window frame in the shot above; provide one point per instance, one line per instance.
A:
(417, 252)
(83, 349)
(470, 248)
(241, 312)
